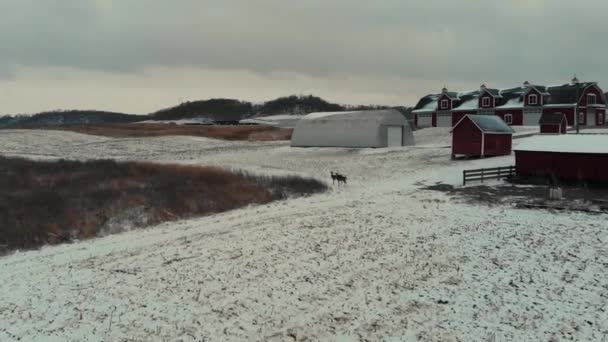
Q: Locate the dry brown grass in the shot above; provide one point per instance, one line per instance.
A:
(245, 132)
(52, 202)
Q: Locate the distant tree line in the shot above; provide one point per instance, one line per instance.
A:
(213, 109)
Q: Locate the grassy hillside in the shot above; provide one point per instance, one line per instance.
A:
(213, 109)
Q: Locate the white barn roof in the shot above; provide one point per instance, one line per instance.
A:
(350, 129)
(283, 120)
(566, 143)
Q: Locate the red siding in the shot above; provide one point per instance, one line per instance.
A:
(568, 111)
(444, 97)
(591, 90)
(466, 139)
(539, 98)
(518, 115)
(567, 166)
(486, 95)
(549, 129)
(497, 144)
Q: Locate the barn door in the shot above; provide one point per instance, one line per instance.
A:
(394, 136)
(591, 119)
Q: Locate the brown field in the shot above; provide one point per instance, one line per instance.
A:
(245, 132)
(53, 202)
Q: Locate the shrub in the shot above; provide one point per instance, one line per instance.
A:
(245, 132)
(53, 202)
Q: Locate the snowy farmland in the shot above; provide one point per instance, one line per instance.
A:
(378, 258)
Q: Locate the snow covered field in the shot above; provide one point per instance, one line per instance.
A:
(376, 259)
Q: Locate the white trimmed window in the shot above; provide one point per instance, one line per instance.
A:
(444, 104)
(581, 118)
(533, 99)
(485, 102)
(509, 118)
(591, 99)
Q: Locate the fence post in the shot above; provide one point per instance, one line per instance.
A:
(464, 177)
(482, 174)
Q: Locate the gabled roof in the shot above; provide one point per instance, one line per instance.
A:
(493, 92)
(451, 94)
(552, 118)
(487, 124)
(541, 89)
(567, 93)
(553, 96)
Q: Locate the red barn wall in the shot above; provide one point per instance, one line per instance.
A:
(591, 90)
(550, 129)
(466, 139)
(444, 97)
(487, 95)
(518, 115)
(567, 166)
(497, 144)
(539, 98)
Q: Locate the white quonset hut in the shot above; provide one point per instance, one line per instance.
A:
(372, 128)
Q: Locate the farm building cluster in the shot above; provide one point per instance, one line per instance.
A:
(519, 106)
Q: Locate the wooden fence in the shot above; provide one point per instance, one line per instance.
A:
(483, 174)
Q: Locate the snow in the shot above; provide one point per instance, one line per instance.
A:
(284, 120)
(512, 103)
(468, 105)
(373, 260)
(279, 117)
(429, 107)
(560, 105)
(566, 143)
(313, 116)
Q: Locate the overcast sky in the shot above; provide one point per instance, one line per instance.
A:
(142, 55)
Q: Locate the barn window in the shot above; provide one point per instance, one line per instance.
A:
(591, 99)
(509, 118)
(581, 118)
(533, 99)
(485, 102)
(444, 104)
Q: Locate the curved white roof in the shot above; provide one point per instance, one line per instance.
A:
(350, 129)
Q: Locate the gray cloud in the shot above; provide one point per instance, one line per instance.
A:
(442, 41)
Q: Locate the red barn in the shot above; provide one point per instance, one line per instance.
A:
(571, 157)
(553, 123)
(481, 136)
